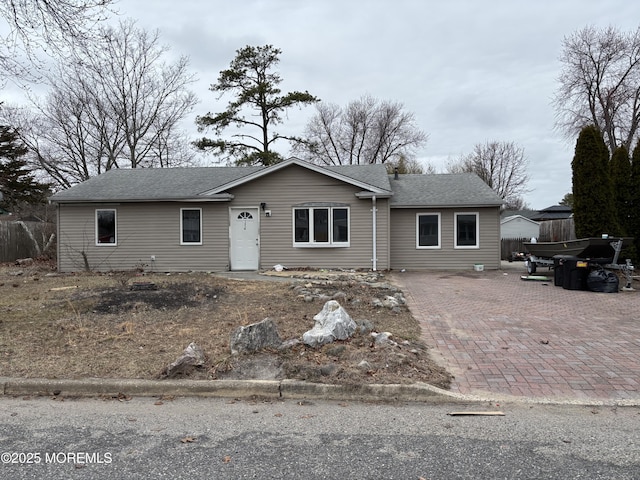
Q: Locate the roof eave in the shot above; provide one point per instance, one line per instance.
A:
(511, 218)
(448, 205)
(374, 194)
(225, 197)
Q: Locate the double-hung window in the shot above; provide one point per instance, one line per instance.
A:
(466, 230)
(428, 230)
(321, 225)
(191, 226)
(106, 227)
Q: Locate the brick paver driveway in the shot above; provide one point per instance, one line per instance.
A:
(502, 336)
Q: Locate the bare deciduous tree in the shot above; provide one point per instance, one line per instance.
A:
(600, 85)
(143, 96)
(45, 26)
(365, 131)
(411, 166)
(502, 166)
(115, 106)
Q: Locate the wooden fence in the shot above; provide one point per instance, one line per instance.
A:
(20, 239)
(557, 230)
(511, 245)
(550, 231)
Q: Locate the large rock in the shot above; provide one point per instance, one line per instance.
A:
(332, 323)
(193, 356)
(255, 337)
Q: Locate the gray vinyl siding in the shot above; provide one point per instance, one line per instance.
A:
(153, 228)
(294, 186)
(405, 255)
(143, 230)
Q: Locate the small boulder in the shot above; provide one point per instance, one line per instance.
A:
(332, 323)
(383, 338)
(390, 302)
(255, 337)
(364, 366)
(192, 357)
(366, 326)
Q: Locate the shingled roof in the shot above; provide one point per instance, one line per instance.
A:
(200, 183)
(152, 184)
(442, 190)
(214, 183)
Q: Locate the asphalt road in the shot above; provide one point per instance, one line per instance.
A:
(222, 439)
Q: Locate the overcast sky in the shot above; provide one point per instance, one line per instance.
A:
(470, 71)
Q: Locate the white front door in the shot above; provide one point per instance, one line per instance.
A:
(244, 236)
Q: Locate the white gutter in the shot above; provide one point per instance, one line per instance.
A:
(375, 231)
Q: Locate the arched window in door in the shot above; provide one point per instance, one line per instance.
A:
(244, 217)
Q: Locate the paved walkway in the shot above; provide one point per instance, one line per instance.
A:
(502, 336)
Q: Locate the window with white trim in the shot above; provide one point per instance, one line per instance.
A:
(428, 230)
(466, 227)
(321, 226)
(106, 227)
(190, 226)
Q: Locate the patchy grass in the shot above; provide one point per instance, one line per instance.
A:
(95, 325)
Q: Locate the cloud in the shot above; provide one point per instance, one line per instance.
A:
(470, 70)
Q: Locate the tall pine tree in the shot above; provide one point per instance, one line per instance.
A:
(17, 185)
(593, 205)
(259, 105)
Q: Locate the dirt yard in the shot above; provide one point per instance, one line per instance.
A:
(132, 325)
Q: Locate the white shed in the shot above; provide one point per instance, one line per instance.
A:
(517, 226)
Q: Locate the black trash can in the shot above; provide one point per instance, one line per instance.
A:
(558, 269)
(575, 273)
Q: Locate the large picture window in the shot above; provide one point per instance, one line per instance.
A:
(321, 226)
(428, 230)
(191, 226)
(466, 230)
(106, 227)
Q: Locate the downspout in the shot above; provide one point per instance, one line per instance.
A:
(58, 241)
(375, 233)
